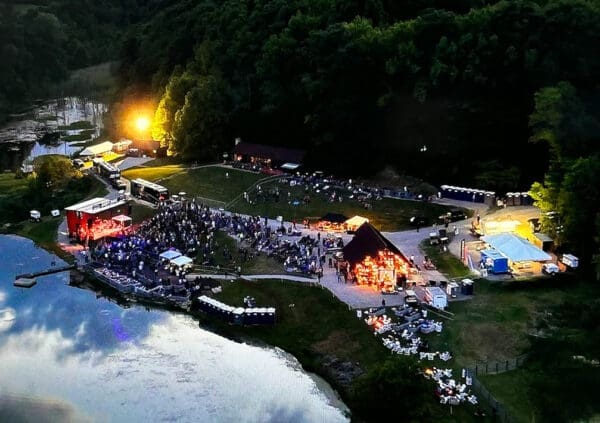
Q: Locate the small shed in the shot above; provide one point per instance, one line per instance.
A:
(494, 261)
(543, 241)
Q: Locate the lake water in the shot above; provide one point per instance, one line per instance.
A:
(66, 355)
(19, 137)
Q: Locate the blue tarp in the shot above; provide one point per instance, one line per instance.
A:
(516, 248)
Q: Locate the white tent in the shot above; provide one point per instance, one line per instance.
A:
(94, 150)
(170, 254)
(516, 248)
(181, 261)
(355, 222)
(123, 220)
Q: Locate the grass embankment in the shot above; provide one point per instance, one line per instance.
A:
(445, 261)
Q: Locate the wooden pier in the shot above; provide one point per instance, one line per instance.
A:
(49, 271)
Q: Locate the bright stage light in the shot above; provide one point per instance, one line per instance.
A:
(142, 123)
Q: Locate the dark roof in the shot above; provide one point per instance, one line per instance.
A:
(148, 145)
(279, 154)
(334, 218)
(367, 241)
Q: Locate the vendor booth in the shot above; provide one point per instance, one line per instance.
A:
(181, 261)
(374, 260)
(169, 254)
(94, 219)
(494, 261)
(332, 222)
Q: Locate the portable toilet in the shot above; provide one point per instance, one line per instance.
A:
(452, 289)
(436, 297)
(494, 261)
(35, 215)
(570, 260)
(466, 287)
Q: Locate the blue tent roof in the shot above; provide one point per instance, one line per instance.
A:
(516, 248)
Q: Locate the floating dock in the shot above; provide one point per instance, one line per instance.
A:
(25, 282)
(45, 272)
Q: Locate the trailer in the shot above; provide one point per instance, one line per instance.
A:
(435, 297)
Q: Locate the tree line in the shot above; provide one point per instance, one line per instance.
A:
(334, 77)
(41, 41)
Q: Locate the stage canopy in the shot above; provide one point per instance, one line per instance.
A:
(123, 220)
(334, 218)
(181, 261)
(355, 222)
(170, 254)
(516, 248)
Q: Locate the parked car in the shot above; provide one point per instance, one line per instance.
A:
(550, 269)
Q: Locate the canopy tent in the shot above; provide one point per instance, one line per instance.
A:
(181, 261)
(355, 222)
(515, 248)
(170, 254)
(334, 218)
(94, 150)
(123, 220)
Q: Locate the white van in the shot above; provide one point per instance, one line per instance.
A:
(410, 297)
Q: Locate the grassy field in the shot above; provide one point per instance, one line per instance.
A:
(10, 186)
(386, 214)
(153, 174)
(212, 183)
(495, 324)
(310, 322)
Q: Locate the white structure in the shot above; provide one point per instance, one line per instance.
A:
(435, 297)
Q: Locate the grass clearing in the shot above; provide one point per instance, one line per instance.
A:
(153, 174)
(494, 325)
(211, 182)
(10, 185)
(386, 214)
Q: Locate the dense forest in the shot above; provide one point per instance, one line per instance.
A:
(41, 41)
(363, 84)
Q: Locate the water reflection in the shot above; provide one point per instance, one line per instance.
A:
(19, 139)
(115, 364)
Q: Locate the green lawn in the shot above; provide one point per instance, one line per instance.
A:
(10, 186)
(386, 214)
(512, 390)
(310, 322)
(494, 325)
(212, 186)
(211, 182)
(153, 174)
